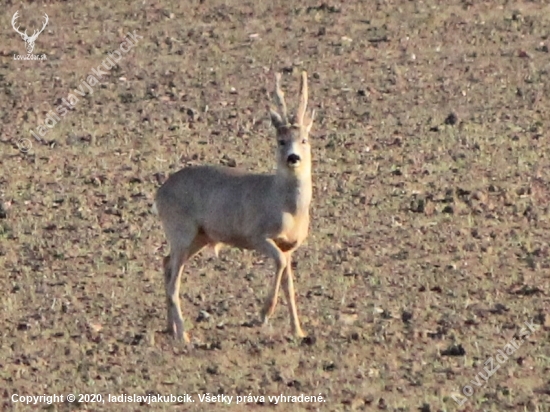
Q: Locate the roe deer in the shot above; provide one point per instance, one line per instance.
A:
(209, 206)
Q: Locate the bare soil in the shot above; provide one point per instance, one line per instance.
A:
(428, 249)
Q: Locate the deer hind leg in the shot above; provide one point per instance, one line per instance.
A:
(167, 268)
(174, 264)
(270, 249)
(288, 288)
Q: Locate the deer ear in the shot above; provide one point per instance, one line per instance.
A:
(276, 119)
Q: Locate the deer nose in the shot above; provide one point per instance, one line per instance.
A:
(293, 159)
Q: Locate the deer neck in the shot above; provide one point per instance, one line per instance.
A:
(295, 191)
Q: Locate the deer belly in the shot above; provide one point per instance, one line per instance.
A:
(230, 239)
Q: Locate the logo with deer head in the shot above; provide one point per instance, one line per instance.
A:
(29, 40)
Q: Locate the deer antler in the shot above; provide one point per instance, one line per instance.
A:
(280, 98)
(14, 18)
(35, 34)
(25, 35)
(303, 100)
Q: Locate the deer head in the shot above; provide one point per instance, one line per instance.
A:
(294, 152)
(28, 39)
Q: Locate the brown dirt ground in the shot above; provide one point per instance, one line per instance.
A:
(429, 241)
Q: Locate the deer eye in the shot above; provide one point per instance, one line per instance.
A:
(304, 141)
(281, 142)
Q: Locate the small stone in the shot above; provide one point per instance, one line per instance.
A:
(406, 316)
(451, 119)
(454, 350)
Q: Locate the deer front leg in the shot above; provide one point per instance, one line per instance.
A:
(270, 249)
(288, 288)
